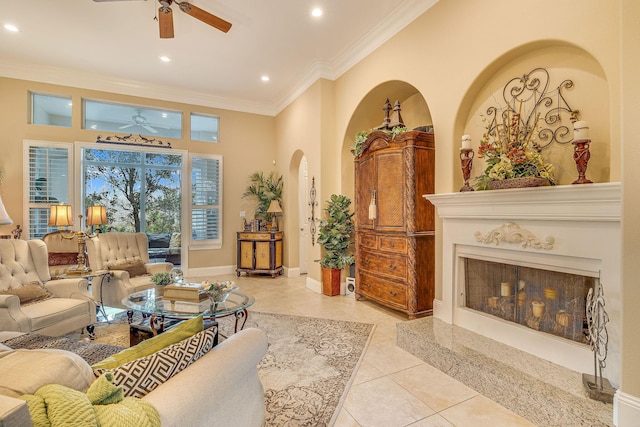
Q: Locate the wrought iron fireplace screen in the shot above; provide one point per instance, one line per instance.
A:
(547, 301)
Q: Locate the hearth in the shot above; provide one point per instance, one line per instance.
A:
(517, 265)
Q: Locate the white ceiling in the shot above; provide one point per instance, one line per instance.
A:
(115, 46)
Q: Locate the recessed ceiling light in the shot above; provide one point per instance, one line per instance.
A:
(94, 126)
(164, 115)
(165, 59)
(265, 78)
(316, 12)
(11, 27)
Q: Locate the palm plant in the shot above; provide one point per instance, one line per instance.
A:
(263, 189)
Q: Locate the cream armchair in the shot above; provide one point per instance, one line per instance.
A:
(31, 302)
(126, 256)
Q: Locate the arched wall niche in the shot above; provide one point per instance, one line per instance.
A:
(369, 114)
(589, 95)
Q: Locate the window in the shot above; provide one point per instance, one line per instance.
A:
(50, 110)
(48, 182)
(105, 116)
(206, 201)
(140, 189)
(204, 128)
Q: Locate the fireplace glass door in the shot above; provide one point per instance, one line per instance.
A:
(547, 301)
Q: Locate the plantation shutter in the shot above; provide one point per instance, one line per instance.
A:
(49, 181)
(206, 201)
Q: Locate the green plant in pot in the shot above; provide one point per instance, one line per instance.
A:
(161, 280)
(263, 189)
(335, 238)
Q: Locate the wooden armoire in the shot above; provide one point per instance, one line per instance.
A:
(395, 239)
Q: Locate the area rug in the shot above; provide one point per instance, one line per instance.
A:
(308, 368)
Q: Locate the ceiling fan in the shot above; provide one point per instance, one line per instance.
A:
(165, 17)
(139, 120)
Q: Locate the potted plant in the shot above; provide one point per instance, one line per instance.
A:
(160, 280)
(263, 189)
(335, 238)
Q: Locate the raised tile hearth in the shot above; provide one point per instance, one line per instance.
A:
(542, 392)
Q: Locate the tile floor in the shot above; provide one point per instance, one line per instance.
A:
(391, 387)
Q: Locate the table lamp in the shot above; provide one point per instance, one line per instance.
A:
(274, 209)
(96, 215)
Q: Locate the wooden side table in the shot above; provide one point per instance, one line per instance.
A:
(260, 252)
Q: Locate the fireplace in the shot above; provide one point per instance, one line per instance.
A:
(552, 302)
(517, 266)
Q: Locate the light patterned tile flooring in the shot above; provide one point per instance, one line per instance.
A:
(392, 387)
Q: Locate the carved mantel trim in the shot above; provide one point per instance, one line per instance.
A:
(511, 232)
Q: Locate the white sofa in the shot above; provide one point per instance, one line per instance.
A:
(222, 388)
(23, 265)
(107, 251)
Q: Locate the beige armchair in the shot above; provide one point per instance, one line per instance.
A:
(63, 251)
(126, 256)
(31, 302)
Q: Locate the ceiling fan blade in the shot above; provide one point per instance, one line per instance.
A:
(205, 16)
(125, 126)
(165, 20)
(149, 128)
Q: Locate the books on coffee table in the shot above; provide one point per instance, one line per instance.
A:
(188, 293)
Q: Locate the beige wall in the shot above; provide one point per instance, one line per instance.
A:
(247, 142)
(460, 52)
(630, 136)
(454, 56)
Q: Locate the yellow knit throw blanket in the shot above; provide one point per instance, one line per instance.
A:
(102, 405)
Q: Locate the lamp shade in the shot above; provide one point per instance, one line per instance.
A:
(4, 216)
(60, 215)
(274, 207)
(96, 215)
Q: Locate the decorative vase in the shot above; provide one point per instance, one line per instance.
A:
(159, 290)
(522, 182)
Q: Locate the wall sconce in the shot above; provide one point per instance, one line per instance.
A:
(274, 209)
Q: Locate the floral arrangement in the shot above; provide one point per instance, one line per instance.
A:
(218, 291)
(510, 151)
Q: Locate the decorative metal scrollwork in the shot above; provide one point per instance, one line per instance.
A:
(512, 233)
(597, 319)
(313, 203)
(529, 96)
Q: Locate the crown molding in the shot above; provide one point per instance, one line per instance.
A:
(92, 81)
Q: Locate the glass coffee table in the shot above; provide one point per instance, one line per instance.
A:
(150, 304)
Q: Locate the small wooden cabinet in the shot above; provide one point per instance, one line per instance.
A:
(260, 252)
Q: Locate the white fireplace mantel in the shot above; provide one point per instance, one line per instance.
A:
(582, 221)
(589, 202)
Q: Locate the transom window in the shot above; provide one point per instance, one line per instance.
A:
(120, 118)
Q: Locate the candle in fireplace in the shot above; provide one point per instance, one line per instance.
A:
(537, 307)
(505, 289)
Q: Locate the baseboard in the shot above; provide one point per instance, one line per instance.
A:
(210, 271)
(437, 308)
(626, 409)
(292, 271)
(314, 285)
